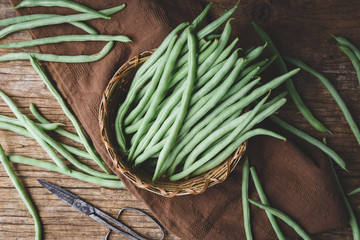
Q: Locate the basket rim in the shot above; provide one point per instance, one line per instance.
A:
(208, 180)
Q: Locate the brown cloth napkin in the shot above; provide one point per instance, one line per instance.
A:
(295, 184)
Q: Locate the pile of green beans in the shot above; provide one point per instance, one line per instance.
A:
(188, 119)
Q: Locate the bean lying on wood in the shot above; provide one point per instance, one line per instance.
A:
(56, 20)
(25, 18)
(304, 110)
(66, 38)
(58, 58)
(44, 126)
(354, 128)
(60, 3)
(24, 196)
(75, 174)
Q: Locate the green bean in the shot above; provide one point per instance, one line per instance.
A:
(213, 36)
(203, 164)
(139, 79)
(56, 20)
(17, 122)
(244, 198)
(33, 130)
(310, 140)
(283, 217)
(215, 24)
(357, 190)
(354, 60)
(185, 101)
(201, 142)
(275, 99)
(232, 105)
(163, 72)
(265, 201)
(198, 20)
(352, 219)
(60, 131)
(24, 132)
(25, 18)
(24, 196)
(347, 43)
(71, 117)
(60, 3)
(333, 92)
(66, 38)
(58, 58)
(225, 53)
(74, 174)
(290, 85)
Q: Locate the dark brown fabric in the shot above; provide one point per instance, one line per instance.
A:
(293, 183)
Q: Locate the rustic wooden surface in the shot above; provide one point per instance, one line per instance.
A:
(300, 28)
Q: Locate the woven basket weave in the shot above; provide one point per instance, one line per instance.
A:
(113, 97)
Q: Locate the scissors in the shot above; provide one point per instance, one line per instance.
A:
(98, 215)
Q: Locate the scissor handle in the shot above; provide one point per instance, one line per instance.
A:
(144, 213)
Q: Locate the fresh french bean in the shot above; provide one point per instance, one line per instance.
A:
(66, 38)
(215, 24)
(198, 20)
(185, 101)
(71, 117)
(24, 196)
(203, 164)
(310, 140)
(354, 60)
(304, 110)
(352, 219)
(58, 58)
(25, 18)
(344, 42)
(60, 3)
(354, 128)
(74, 174)
(244, 198)
(56, 20)
(43, 126)
(283, 217)
(265, 201)
(60, 131)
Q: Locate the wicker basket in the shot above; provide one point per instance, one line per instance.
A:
(114, 95)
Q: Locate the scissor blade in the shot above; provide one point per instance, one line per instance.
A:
(64, 195)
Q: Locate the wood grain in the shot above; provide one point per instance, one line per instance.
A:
(300, 28)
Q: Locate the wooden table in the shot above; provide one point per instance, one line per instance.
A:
(23, 85)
